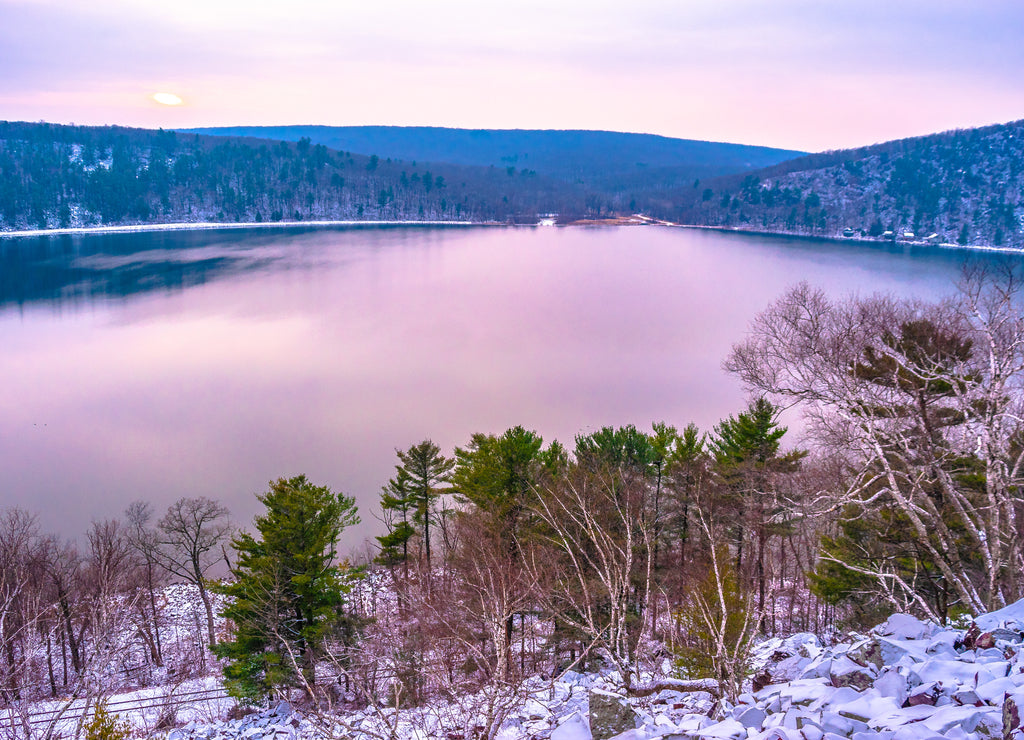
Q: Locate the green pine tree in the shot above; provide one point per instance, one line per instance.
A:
(497, 474)
(396, 500)
(426, 470)
(287, 592)
(746, 449)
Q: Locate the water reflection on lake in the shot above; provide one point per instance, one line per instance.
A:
(159, 365)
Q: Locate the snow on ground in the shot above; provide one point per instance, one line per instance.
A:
(201, 700)
(905, 680)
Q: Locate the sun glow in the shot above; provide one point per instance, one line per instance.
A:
(166, 98)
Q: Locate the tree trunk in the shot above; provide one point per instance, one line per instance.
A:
(65, 608)
(209, 612)
(761, 538)
(156, 618)
(49, 665)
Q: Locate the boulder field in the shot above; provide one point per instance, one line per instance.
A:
(904, 680)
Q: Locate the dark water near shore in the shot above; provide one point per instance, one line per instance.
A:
(161, 365)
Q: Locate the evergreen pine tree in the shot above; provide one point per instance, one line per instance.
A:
(396, 498)
(746, 449)
(497, 474)
(288, 591)
(426, 469)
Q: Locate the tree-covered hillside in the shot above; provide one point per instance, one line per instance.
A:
(964, 186)
(606, 160)
(57, 176)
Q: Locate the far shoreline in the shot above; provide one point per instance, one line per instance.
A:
(218, 225)
(857, 240)
(619, 221)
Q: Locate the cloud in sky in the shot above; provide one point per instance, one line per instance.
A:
(792, 73)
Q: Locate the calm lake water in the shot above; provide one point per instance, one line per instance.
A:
(162, 365)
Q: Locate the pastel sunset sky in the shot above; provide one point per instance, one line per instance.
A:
(800, 74)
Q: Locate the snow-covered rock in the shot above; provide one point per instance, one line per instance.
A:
(905, 627)
(573, 727)
(905, 680)
(610, 715)
(844, 671)
(1010, 617)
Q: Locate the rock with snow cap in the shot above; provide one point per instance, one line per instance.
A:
(610, 715)
(944, 643)
(866, 652)
(992, 692)
(967, 697)
(780, 733)
(893, 684)
(803, 691)
(840, 725)
(819, 667)
(789, 669)
(915, 731)
(1013, 713)
(750, 717)
(671, 697)
(1001, 634)
(985, 641)
(868, 705)
(905, 627)
(945, 719)
(692, 724)
(805, 644)
(633, 735)
(1010, 617)
(845, 672)
(727, 729)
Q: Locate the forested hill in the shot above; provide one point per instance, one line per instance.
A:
(57, 176)
(964, 186)
(604, 160)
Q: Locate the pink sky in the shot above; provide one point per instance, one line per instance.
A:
(789, 73)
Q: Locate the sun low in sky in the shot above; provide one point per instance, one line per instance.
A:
(166, 98)
(799, 74)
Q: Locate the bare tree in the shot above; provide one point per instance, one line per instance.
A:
(721, 618)
(110, 561)
(62, 565)
(189, 535)
(600, 548)
(20, 602)
(145, 540)
(923, 399)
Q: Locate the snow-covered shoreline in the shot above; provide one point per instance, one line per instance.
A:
(216, 225)
(854, 239)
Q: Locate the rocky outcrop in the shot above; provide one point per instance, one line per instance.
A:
(610, 715)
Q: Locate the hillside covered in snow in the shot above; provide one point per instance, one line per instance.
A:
(960, 187)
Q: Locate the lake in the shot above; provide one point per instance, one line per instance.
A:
(205, 363)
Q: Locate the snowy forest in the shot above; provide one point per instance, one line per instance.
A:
(960, 187)
(659, 559)
(55, 176)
